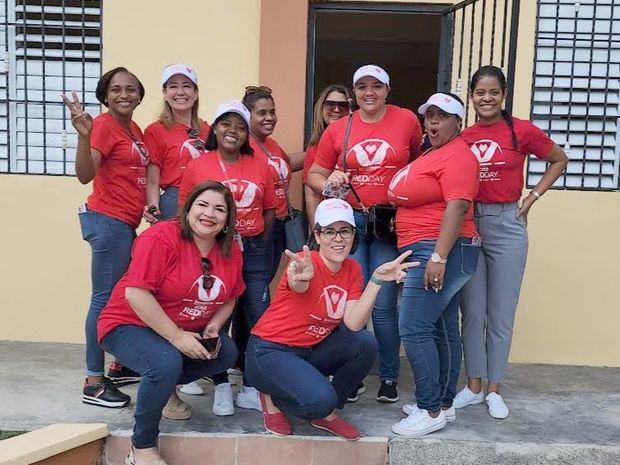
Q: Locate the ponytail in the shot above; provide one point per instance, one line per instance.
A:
(510, 122)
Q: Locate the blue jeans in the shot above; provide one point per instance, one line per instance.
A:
(429, 322)
(254, 301)
(296, 377)
(110, 241)
(169, 203)
(162, 367)
(278, 241)
(370, 253)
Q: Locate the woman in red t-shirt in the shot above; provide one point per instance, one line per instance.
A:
(165, 316)
(434, 220)
(111, 153)
(501, 143)
(300, 340)
(332, 104)
(382, 139)
(175, 139)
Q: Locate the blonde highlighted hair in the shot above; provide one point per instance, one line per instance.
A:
(166, 115)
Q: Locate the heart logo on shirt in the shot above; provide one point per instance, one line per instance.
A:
(370, 149)
(247, 192)
(371, 152)
(209, 295)
(485, 150)
(335, 301)
(335, 297)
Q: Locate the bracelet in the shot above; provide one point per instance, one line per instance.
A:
(535, 194)
(377, 281)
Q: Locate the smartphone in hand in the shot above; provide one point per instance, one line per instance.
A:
(211, 344)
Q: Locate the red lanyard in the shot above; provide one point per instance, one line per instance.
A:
(237, 194)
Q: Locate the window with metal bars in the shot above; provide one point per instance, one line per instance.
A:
(47, 47)
(576, 89)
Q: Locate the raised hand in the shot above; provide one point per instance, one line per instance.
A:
(80, 119)
(299, 269)
(395, 270)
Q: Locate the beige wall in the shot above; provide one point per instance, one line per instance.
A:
(569, 308)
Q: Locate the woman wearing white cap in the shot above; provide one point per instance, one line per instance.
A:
(434, 221)
(380, 139)
(300, 341)
(173, 140)
(232, 161)
(501, 143)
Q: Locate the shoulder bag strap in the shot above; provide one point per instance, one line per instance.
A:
(345, 147)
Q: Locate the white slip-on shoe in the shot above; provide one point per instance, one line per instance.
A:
(419, 423)
(408, 409)
(223, 405)
(497, 407)
(192, 388)
(248, 398)
(467, 397)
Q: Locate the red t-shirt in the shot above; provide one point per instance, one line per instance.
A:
(376, 151)
(421, 190)
(170, 267)
(501, 166)
(119, 187)
(308, 161)
(280, 167)
(249, 179)
(171, 149)
(304, 320)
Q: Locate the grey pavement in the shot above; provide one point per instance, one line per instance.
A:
(40, 384)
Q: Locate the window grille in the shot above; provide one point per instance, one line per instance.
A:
(576, 89)
(47, 47)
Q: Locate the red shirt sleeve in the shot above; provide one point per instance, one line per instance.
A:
(272, 179)
(415, 144)
(150, 258)
(187, 181)
(152, 141)
(101, 138)
(308, 160)
(459, 177)
(357, 281)
(536, 141)
(326, 155)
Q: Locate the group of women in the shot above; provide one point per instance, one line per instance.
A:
(217, 197)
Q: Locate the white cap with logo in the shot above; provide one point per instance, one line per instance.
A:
(185, 70)
(330, 211)
(232, 106)
(444, 101)
(371, 70)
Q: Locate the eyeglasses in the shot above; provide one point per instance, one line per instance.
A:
(140, 145)
(330, 234)
(331, 105)
(196, 141)
(207, 280)
(253, 89)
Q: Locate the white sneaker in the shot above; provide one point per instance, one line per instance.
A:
(248, 398)
(496, 405)
(223, 400)
(467, 397)
(419, 423)
(408, 409)
(192, 388)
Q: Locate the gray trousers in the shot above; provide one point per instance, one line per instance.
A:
(490, 297)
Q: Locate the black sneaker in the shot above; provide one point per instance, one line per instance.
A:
(104, 394)
(387, 391)
(354, 395)
(121, 375)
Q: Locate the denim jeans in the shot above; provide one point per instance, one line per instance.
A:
(162, 367)
(296, 377)
(370, 253)
(429, 322)
(169, 203)
(254, 301)
(278, 241)
(110, 241)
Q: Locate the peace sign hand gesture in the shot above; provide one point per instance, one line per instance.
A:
(395, 270)
(300, 270)
(81, 120)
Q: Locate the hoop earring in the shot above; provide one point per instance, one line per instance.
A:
(225, 230)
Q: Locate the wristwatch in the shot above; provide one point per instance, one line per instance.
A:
(436, 258)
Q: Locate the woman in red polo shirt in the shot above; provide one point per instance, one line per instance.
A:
(434, 220)
(383, 138)
(165, 316)
(232, 161)
(501, 143)
(299, 341)
(111, 153)
(175, 139)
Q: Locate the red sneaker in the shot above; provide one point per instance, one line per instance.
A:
(275, 423)
(338, 427)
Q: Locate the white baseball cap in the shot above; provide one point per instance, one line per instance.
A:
(185, 70)
(444, 101)
(232, 106)
(330, 211)
(372, 70)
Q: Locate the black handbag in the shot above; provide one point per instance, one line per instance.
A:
(295, 228)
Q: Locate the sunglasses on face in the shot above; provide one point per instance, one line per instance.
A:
(196, 142)
(330, 234)
(253, 89)
(207, 279)
(333, 104)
